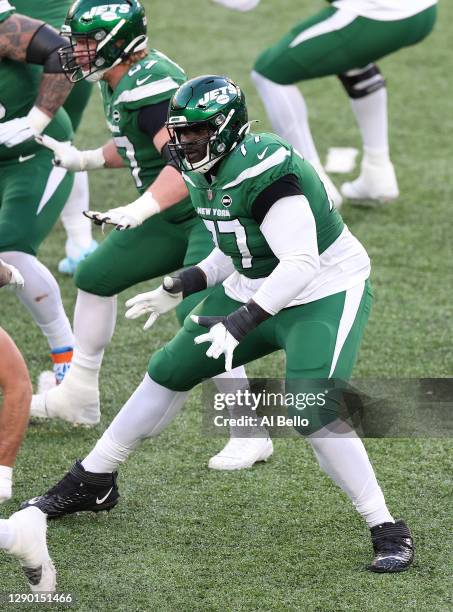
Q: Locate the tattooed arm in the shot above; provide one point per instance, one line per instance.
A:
(28, 40)
(15, 36)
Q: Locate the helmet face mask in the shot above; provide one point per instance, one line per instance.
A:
(207, 118)
(100, 37)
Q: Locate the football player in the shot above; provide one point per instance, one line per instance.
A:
(32, 191)
(345, 39)
(288, 275)
(78, 229)
(109, 45)
(24, 533)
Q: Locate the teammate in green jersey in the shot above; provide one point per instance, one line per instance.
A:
(32, 191)
(294, 278)
(79, 240)
(136, 86)
(344, 39)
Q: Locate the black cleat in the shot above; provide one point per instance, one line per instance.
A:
(393, 547)
(78, 491)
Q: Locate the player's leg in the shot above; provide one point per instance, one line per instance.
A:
(173, 371)
(79, 241)
(321, 347)
(23, 535)
(121, 261)
(32, 195)
(303, 53)
(367, 93)
(14, 412)
(245, 446)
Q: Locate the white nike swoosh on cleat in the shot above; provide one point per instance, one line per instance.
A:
(141, 81)
(33, 500)
(23, 158)
(101, 501)
(261, 155)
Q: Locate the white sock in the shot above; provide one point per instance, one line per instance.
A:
(287, 112)
(94, 324)
(41, 296)
(344, 458)
(146, 413)
(371, 116)
(77, 226)
(6, 534)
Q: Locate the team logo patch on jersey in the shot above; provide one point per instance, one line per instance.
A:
(227, 200)
(116, 116)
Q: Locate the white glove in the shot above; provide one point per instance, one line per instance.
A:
(129, 216)
(239, 5)
(17, 280)
(15, 131)
(6, 483)
(68, 156)
(156, 302)
(222, 342)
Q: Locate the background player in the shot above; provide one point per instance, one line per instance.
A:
(32, 191)
(294, 278)
(78, 229)
(136, 87)
(345, 39)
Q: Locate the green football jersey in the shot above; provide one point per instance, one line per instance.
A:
(52, 12)
(225, 205)
(150, 81)
(19, 85)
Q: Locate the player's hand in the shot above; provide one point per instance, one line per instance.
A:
(15, 131)
(239, 5)
(120, 217)
(222, 341)
(10, 275)
(65, 154)
(6, 484)
(156, 302)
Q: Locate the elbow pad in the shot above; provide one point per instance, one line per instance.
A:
(43, 49)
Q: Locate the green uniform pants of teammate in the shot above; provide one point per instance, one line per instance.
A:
(155, 248)
(321, 340)
(32, 195)
(334, 41)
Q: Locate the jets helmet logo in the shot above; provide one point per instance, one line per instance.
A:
(222, 95)
(108, 11)
(227, 200)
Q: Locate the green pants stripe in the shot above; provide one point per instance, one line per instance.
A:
(32, 195)
(334, 41)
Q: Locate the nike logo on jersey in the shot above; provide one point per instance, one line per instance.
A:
(141, 81)
(261, 155)
(101, 501)
(23, 158)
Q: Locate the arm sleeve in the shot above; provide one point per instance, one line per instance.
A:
(152, 118)
(283, 187)
(217, 267)
(290, 230)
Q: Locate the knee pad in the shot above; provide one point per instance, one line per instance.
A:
(362, 81)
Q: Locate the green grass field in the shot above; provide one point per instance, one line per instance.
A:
(281, 536)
